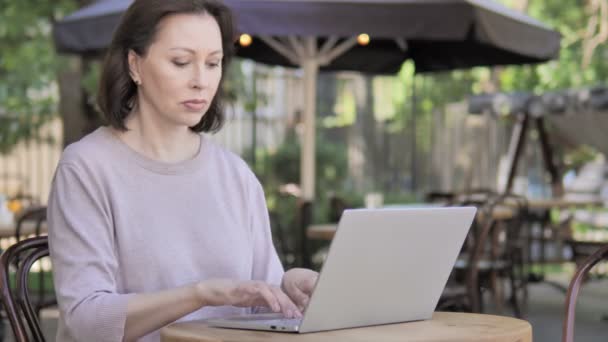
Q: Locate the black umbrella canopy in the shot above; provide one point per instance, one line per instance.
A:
(436, 34)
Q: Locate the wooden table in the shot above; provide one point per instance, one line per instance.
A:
(321, 231)
(327, 231)
(500, 212)
(561, 203)
(445, 326)
(539, 215)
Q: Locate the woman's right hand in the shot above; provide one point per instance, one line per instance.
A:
(219, 292)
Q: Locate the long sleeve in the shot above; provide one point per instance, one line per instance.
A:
(81, 239)
(266, 263)
(121, 224)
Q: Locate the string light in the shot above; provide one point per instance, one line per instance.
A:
(245, 40)
(363, 39)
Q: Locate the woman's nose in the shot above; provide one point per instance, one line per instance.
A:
(200, 79)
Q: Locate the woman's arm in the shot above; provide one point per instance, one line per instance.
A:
(149, 312)
(82, 246)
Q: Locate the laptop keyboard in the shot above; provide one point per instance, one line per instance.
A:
(269, 319)
(280, 321)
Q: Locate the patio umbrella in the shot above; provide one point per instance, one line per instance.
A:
(333, 35)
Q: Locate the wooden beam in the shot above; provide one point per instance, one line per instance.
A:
(516, 146)
(556, 183)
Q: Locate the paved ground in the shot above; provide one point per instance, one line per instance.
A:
(547, 305)
(545, 313)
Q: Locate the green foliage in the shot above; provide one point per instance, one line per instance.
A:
(241, 84)
(91, 77)
(579, 156)
(283, 165)
(570, 19)
(345, 108)
(28, 66)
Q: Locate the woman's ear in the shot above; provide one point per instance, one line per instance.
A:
(134, 60)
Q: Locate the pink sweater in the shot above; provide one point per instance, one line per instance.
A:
(121, 224)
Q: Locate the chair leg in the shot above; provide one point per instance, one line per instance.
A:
(513, 298)
(496, 291)
(520, 273)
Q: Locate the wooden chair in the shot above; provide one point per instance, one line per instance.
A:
(35, 215)
(492, 251)
(304, 217)
(463, 290)
(337, 205)
(573, 289)
(22, 202)
(22, 315)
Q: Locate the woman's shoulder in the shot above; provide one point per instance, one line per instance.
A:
(92, 148)
(227, 161)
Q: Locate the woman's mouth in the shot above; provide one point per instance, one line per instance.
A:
(195, 105)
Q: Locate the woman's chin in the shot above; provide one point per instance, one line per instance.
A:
(191, 120)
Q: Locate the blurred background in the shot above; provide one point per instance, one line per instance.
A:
(534, 130)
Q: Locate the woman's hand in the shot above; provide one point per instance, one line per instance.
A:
(219, 292)
(298, 284)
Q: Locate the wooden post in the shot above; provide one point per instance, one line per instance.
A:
(518, 141)
(556, 183)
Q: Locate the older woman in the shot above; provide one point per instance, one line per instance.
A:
(149, 221)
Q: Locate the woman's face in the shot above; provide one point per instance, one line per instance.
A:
(180, 73)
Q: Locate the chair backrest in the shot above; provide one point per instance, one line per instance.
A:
(35, 215)
(573, 289)
(20, 313)
(483, 237)
(21, 202)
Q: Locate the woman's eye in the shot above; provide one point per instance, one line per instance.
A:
(214, 64)
(180, 64)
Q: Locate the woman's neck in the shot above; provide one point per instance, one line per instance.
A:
(160, 141)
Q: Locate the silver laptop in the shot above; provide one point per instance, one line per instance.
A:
(383, 266)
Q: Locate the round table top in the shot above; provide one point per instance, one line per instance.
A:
(445, 326)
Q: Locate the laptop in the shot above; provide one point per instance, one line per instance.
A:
(383, 266)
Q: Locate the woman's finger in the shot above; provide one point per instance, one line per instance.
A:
(263, 290)
(308, 285)
(289, 309)
(298, 297)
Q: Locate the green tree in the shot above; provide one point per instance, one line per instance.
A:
(28, 67)
(571, 19)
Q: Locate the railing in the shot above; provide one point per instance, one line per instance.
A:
(28, 169)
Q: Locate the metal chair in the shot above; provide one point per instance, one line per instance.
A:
(21, 314)
(573, 289)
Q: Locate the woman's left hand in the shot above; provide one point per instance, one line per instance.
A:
(298, 284)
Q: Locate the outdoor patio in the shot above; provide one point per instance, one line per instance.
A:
(501, 105)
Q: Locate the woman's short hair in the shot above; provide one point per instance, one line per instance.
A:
(136, 32)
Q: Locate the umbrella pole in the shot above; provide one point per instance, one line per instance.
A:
(305, 53)
(307, 158)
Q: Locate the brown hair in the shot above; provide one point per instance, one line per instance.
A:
(136, 32)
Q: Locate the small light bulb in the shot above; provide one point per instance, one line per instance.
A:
(245, 40)
(363, 39)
